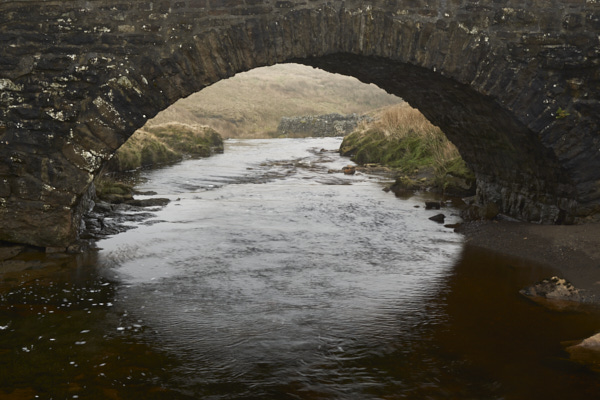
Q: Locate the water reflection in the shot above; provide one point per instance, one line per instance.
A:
(508, 341)
(271, 279)
(63, 336)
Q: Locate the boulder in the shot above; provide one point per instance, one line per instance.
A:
(438, 218)
(587, 352)
(555, 293)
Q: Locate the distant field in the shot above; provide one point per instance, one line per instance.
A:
(251, 103)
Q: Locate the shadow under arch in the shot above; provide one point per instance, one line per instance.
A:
(514, 169)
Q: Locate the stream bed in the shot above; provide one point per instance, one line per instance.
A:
(268, 276)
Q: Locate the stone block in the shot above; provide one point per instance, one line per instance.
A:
(214, 4)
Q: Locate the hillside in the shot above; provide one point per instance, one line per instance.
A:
(251, 104)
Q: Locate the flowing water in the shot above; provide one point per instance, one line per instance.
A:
(267, 277)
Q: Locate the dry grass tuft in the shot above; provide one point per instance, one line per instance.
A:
(165, 143)
(401, 137)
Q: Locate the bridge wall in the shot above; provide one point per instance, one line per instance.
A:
(514, 84)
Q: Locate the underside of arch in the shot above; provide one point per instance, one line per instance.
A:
(492, 77)
(514, 169)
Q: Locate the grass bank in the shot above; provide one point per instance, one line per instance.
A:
(164, 144)
(422, 157)
(150, 147)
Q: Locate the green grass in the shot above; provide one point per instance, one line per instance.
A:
(403, 139)
(150, 147)
(164, 144)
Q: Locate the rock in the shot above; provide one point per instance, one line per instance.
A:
(117, 198)
(452, 226)
(555, 293)
(438, 218)
(147, 193)
(79, 247)
(349, 170)
(456, 186)
(14, 266)
(476, 212)
(53, 250)
(587, 352)
(9, 252)
(432, 205)
(554, 288)
(154, 202)
(404, 184)
(103, 207)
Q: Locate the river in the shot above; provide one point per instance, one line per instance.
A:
(269, 277)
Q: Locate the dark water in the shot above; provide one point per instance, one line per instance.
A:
(269, 278)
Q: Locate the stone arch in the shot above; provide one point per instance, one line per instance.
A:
(517, 93)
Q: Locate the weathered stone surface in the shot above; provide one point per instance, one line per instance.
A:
(516, 88)
(553, 288)
(555, 293)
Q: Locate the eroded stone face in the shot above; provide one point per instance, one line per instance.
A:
(516, 89)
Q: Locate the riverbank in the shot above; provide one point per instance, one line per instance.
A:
(419, 154)
(573, 250)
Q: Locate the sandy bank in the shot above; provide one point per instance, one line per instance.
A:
(574, 250)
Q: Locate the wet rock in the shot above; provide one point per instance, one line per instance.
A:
(438, 218)
(9, 252)
(476, 212)
(405, 184)
(14, 266)
(555, 293)
(349, 170)
(108, 219)
(457, 186)
(52, 250)
(587, 352)
(117, 198)
(146, 193)
(432, 205)
(452, 226)
(103, 207)
(79, 247)
(154, 202)
(554, 288)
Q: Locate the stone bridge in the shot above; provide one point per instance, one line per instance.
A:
(514, 84)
